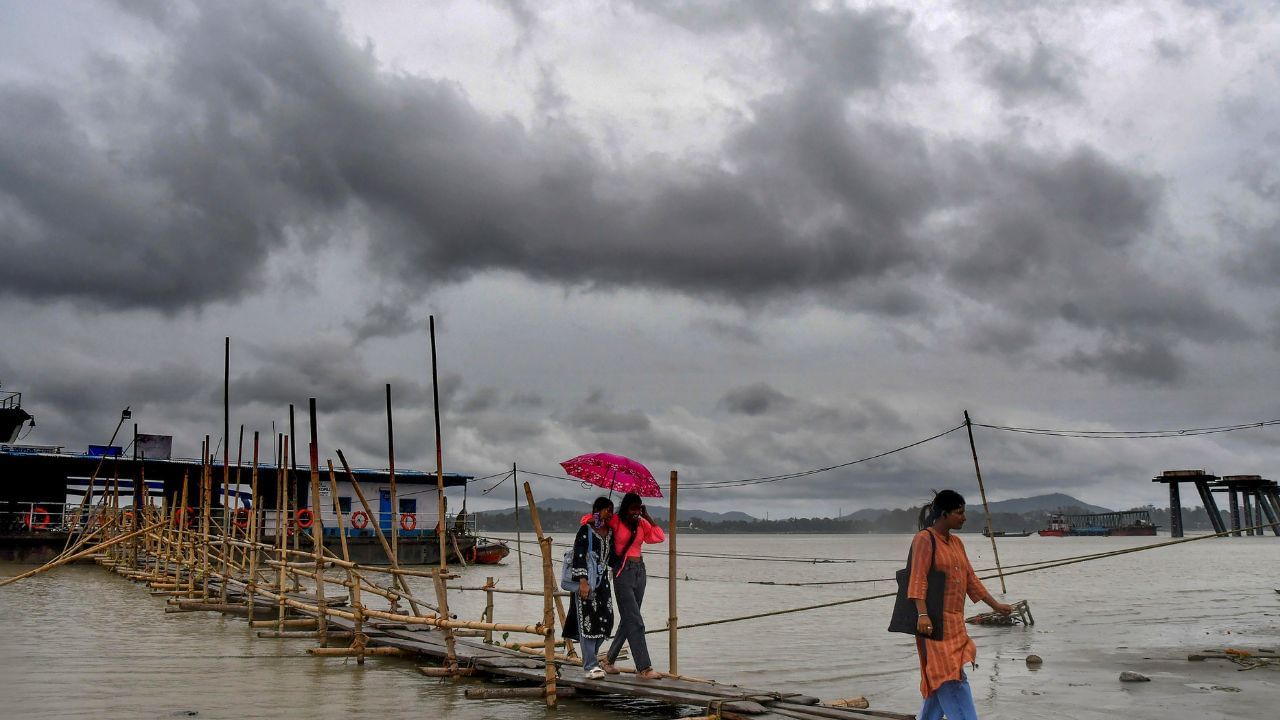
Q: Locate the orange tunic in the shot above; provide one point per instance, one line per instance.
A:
(942, 660)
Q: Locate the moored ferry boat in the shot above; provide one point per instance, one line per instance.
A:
(1125, 523)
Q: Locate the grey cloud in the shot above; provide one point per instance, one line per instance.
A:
(1172, 51)
(385, 318)
(1148, 360)
(757, 399)
(330, 372)
(595, 414)
(731, 331)
(1257, 260)
(1041, 71)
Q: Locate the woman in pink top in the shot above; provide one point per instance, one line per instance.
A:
(632, 528)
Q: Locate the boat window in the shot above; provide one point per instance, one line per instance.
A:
(408, 505)
(344, 504)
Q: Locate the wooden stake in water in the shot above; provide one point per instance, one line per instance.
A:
(391, 472)
(548, 615)
(435, 395)
(672, 617)
(985, 507)
(515, 490)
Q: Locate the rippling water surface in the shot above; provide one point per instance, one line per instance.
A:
(81, 642)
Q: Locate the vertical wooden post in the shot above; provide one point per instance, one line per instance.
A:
(206, 500)
(537, 528)
(672, 616)
(281, 540)
(226, 443)
(317, 529)
(356, 608)
(515, 490)
(391, 472)
(548, 616)
(985, 507)
(435, 395)
(488, 607)
(1175, 510)
(442, 600)
(254, 529)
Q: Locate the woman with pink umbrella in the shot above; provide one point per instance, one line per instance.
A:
(631, 528)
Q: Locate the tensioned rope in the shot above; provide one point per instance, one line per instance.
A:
(850, 601)
(1130, 434)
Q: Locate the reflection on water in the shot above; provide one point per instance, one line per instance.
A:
(82, 642)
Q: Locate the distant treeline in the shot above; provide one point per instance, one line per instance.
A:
(893, 521)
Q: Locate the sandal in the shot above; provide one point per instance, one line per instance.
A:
(649, 674)
(609, 668)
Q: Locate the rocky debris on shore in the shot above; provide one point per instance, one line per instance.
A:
(1130, 676)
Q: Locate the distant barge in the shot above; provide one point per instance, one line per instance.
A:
(1129, 522)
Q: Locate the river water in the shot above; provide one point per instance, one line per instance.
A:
(81, 642)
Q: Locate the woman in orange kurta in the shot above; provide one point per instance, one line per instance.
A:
(942, 679)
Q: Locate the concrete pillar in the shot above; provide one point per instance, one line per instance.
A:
(1175, 511)
(1233, 498)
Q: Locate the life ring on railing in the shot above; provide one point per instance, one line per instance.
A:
(240, 518)
(38, 518)
(408, 521)
(182, 517)
(359, 519)
(305, 518)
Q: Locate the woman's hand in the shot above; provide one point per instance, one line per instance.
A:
(584, 590)
(924, 626)
(1000, 607)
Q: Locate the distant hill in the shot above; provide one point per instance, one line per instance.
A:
(1017, 506)
(657, 512)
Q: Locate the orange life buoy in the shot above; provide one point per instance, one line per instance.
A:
(408, 521)
(240, 518)
(305, 518)
(359, 519)
(38, 518)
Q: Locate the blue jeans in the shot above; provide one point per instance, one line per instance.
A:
(629, 587)
(954, 698)
(590, 647)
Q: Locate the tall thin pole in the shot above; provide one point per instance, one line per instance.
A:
(435, 397)
(291, 489)
(391, 470)
(226, 431)
(672, 617)
(515, 490)
(985, 507)
(317, 527)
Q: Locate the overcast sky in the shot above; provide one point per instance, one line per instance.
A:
(731, 239)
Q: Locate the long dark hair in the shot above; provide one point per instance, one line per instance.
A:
(942, 502)
(601, 503)
(628, 501)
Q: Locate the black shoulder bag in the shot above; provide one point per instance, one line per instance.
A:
(905, 614)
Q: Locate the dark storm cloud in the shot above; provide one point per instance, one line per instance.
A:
(756, 399)
(385, 318)
(1041, 71)
(1150, 360)
(333, 374)
(597, 415)
(255, 127)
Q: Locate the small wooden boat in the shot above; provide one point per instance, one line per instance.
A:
(1006, 533)
(488, 552)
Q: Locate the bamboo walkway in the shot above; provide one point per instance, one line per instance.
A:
(285, 591)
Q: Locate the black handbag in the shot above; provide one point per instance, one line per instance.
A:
(905, 614)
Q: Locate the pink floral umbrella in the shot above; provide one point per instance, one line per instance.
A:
(613, 472)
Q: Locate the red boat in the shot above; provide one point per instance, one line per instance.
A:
(488, 552)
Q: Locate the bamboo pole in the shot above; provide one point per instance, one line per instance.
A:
(226, 440)
(206, 500)
(281, 508)
(435, 395)
(317, 523)
(357, 610)
(515, 490)
(391, 473)
(442, 601)
(548, 615)
(488, 606)
(537, 528)
(985, 507)
(254, 529)
(377, 527)
(672, 616)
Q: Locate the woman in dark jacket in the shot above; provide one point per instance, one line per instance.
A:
(590, 616)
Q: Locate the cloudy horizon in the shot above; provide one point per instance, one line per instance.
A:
(731, 239)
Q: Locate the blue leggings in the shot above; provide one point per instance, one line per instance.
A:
(954, 698)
